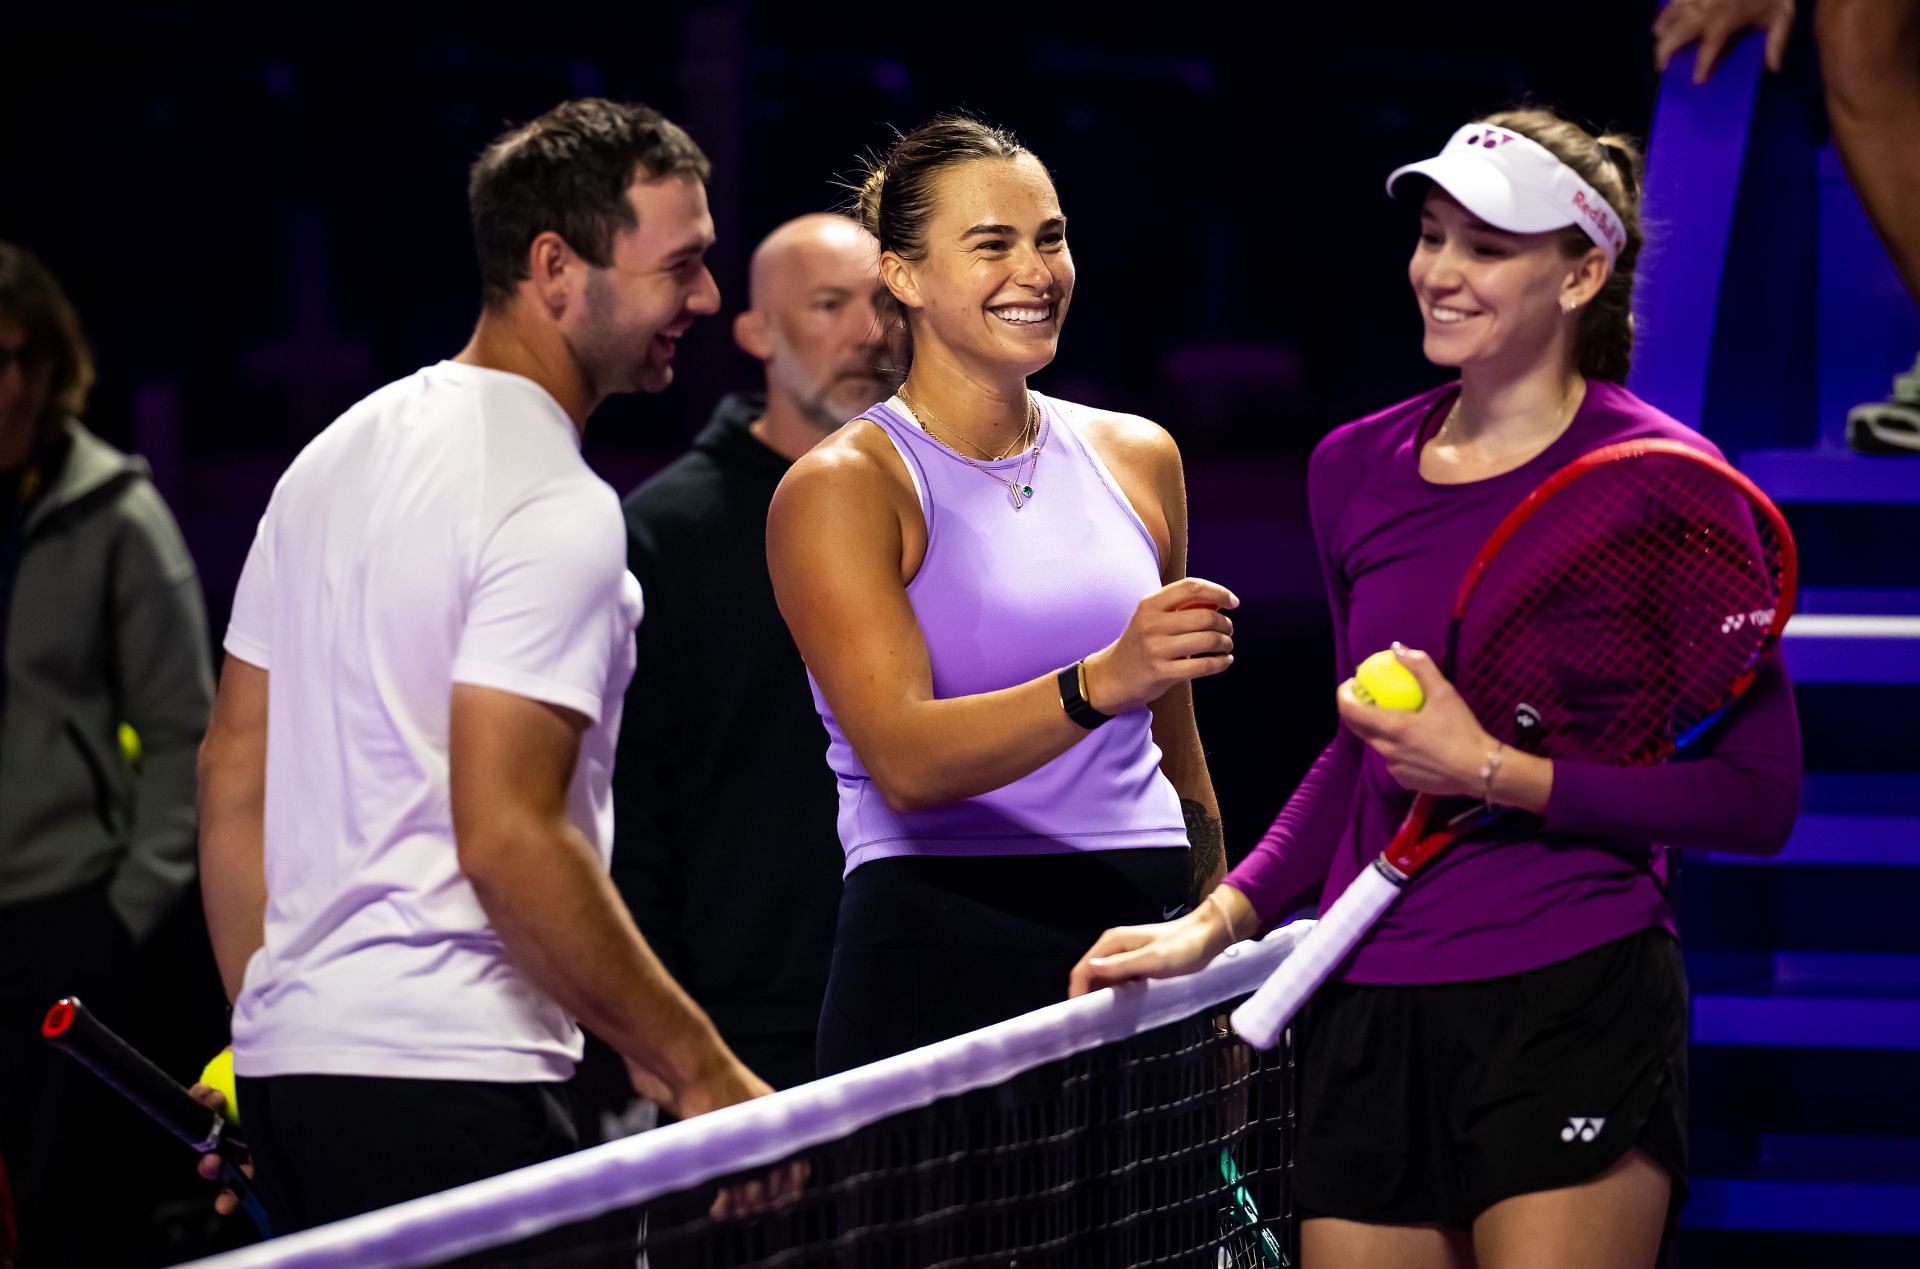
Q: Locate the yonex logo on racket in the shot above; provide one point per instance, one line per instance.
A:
(1582, 1129)
(1759, 618)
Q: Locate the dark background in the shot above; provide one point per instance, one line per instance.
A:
(261, 218)
(267, 212)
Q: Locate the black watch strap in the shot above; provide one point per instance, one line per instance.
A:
(1073, 696)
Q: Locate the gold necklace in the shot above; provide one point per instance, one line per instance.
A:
(1020, 486)
(1564, 417)
(1026, 429)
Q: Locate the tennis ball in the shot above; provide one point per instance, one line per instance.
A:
(219, 1074)
(1381, 680)
(130, 744)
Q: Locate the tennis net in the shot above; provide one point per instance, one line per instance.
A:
(1125, 1128)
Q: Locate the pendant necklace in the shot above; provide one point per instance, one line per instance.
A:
(1020, 485)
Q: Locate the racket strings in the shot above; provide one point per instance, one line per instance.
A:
(1620, 612)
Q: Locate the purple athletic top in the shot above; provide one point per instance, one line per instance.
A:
(1002, 597)
(1393, 547)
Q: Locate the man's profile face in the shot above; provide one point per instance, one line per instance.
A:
(825, 336)
(637, 308)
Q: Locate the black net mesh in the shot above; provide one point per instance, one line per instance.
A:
(1168, 1145)
(1169, 1148)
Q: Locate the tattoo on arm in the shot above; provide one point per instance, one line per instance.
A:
(1206, 844)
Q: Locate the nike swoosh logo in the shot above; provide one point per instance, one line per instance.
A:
(1178, 910)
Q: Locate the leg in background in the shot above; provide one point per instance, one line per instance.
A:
(1870, 64)
(1870, 61)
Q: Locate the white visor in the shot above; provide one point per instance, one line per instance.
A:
(1516, 184)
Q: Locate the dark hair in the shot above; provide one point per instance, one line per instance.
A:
(31, 296)
(568, 172)
(1603, 340)
(894, 199)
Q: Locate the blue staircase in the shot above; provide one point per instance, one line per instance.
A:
(1775, 309)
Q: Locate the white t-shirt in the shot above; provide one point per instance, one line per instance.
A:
(444, 530)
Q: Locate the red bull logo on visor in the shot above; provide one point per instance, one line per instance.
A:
(1601, 217)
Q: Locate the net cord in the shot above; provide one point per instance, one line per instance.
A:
(633, 1170)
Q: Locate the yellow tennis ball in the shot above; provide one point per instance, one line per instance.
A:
(219, 1074)
(130, 744)
(1381, 680)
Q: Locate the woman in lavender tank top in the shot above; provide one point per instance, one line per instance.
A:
(1497, 1075)
(989, 589)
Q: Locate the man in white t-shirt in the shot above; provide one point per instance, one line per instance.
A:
(405, 815)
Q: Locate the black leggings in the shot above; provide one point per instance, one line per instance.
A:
(929, 947)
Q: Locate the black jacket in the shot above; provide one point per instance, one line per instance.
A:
(725, 845)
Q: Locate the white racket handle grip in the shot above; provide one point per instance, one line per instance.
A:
(1265, 1014)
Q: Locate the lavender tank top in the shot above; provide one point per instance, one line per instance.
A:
(1002, 597)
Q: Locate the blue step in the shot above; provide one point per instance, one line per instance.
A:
(1824, 839)
(1871, 1003)
(1866, 819)
(1853, 647)
(1833, 475)
(1885, 600)
(1798, 1090)
(1812, 1183)
(1712, 968)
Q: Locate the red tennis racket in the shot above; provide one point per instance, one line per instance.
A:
(1614, 616)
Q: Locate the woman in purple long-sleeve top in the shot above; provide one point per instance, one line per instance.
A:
(1497, 1075)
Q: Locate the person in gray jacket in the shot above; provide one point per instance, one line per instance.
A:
(105, 693)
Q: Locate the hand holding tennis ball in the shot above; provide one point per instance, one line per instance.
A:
(1381, 680)
(218, 1076)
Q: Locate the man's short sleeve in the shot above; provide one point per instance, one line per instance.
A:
(543, 614)
(249, 629)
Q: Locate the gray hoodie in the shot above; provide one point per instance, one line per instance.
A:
(106, 627)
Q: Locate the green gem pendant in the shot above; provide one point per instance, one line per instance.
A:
(1026, 491)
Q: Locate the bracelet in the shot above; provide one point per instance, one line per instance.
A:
(1072, 682)
(1213, 897)
(1488, 770)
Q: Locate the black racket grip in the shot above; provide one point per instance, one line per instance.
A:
(72, 1029)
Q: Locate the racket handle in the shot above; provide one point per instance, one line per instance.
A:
(1265, 1014)
(72, 1028)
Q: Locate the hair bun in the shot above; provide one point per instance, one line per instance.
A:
(866, 200)
(1624, 155)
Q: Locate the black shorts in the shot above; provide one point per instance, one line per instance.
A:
(1430, 1104)
(327, 1147)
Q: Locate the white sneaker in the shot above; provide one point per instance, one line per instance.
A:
(1891, 426)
